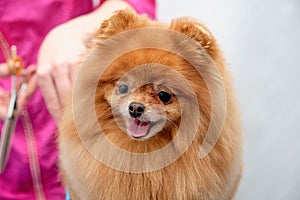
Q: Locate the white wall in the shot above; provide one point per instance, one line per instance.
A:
(261, 39)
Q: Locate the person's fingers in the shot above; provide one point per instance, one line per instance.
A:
(30, 71)
(4, 96)
(3, 112)
(4, 102)
(4, 72)
(30, 89)
(4, 93)
(62, 81)
(46, 83)
(73, 73)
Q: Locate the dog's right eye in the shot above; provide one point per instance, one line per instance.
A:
(164, 97)
(123, 89)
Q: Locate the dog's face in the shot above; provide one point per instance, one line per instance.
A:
(145, 104)
(140, 95)
(142, 99)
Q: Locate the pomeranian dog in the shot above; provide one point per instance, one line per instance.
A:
(155, 110)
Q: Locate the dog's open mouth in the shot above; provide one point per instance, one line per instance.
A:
(138, 128)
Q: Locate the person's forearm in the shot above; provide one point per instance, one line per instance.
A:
(60, 50)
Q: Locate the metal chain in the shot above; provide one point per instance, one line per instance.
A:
(4, 46)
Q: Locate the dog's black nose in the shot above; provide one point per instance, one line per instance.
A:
(136, 109)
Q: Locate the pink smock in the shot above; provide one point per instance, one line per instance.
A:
(32, 172)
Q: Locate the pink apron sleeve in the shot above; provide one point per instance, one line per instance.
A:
(142, 7)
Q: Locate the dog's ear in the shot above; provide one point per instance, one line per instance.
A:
(119, 21)
(198, 32)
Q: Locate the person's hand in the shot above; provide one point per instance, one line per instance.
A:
(60, 53)
(24, 96)
(57, 59)
(4, 96)
(4, 102)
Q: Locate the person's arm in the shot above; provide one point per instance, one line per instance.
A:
(60, 52)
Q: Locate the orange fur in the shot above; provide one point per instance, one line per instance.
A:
(214, 177)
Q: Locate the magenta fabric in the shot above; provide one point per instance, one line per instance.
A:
(25, 24)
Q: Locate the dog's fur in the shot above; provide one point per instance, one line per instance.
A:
(215, 176)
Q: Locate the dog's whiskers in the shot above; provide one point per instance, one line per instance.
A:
(107, 112)
(171, 122)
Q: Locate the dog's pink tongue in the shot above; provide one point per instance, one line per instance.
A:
(137, 128)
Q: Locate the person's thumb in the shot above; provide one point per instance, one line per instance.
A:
(4, 72)
(30, 88)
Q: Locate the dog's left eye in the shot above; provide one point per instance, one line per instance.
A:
(123, 89)
(164, 97)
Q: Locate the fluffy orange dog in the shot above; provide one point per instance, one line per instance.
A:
(142, 106)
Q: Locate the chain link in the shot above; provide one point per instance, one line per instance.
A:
(4, 46)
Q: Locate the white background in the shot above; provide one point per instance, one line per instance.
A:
(261, 40)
